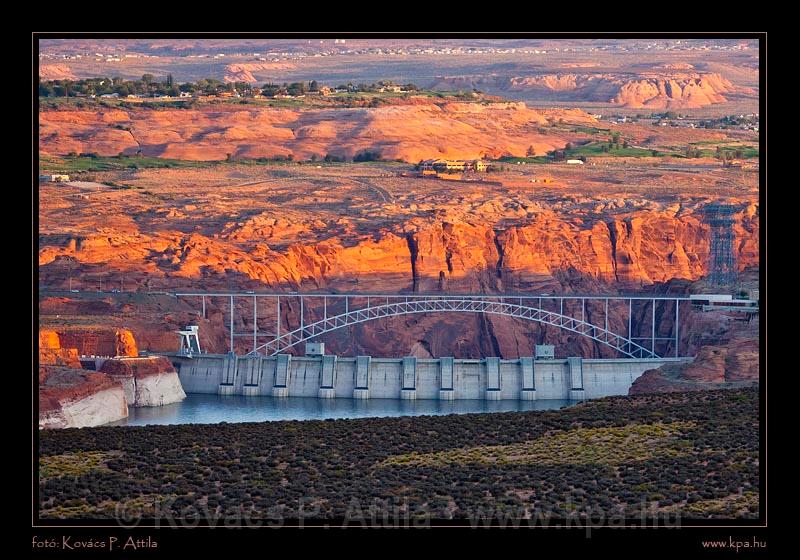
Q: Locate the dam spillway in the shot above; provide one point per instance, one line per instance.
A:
(367, 377)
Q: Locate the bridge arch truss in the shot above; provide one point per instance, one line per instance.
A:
(313, 315)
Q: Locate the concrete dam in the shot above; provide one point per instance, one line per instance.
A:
(366, 377)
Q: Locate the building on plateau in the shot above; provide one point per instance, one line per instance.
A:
(54, 178)
(450, 165)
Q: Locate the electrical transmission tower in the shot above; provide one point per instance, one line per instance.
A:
(722, 269)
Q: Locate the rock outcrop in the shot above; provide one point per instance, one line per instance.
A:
(732, 365)
(91, 341)
(147, 381)
(74, 398)
(52, 353)
(669, 88)
(71, 397)
(255, 71)
(56, 72)
(406, 132)
(634, 250)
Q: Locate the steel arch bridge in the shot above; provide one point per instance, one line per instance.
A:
(339, 311)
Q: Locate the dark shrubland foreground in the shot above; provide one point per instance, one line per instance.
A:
(692, 455)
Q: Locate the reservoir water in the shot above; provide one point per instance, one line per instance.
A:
(212, 409)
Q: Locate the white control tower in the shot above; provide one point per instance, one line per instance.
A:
(190, 343)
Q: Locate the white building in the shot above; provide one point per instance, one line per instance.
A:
(54, 178)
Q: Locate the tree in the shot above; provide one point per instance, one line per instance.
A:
(270, 90)
(296, 88)
(313, 86)
(531, 152)
(568, 146)
(148, 78)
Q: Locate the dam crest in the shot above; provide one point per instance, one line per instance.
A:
(366, 377)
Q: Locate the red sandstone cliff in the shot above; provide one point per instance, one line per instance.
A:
(730, 365)
(631, 251)
(73, 397)
(149, 381)
(676, 88)
(407, 132)
(88, 341)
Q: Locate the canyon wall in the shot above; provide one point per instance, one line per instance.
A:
(71, 397)
(547, 252)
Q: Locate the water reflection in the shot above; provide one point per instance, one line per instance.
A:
(211, 409)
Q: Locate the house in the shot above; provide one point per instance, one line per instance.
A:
(186, 94)
(54, 178)
(575, 161)
(447, 165)
(110, 95)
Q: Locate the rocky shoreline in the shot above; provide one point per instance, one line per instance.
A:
(73, 397)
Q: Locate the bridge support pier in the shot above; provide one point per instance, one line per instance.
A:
(447, 395)
(327, 393)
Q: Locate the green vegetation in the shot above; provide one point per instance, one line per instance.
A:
(92, 162)
(515, 160)
(609, 446)
(691, 454)
(606, 149)
(77, 164)
(590, 130)
(74, 464)
(152, 93)
(146, 86)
